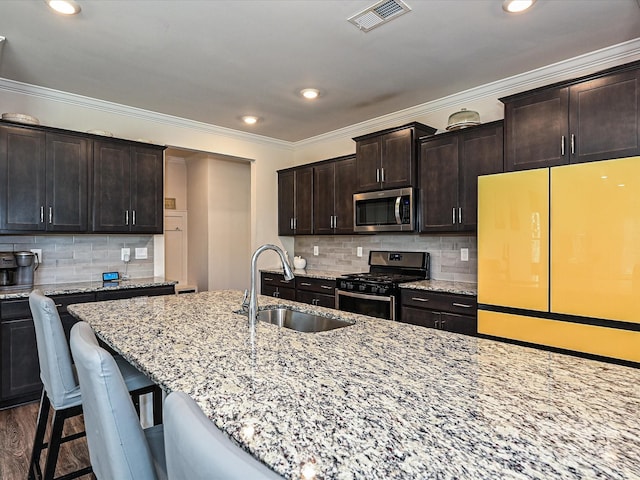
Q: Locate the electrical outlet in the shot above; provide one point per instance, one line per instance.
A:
(316, 250)
(359, 251)
(464, 254)
(125, 254)
(38, 252)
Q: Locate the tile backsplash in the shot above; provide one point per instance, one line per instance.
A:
(339, 253)
(82, 258)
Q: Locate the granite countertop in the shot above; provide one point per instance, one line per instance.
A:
(381, 399)
(84, 287)
(461, 288)
(307, 272)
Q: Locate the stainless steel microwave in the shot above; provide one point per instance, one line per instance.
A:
(384, 211)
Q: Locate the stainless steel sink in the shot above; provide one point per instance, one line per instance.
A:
(300, 321)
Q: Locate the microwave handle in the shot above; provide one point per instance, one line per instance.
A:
(398, 219)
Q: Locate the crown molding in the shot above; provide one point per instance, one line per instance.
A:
(574, 67)
(581, 65)
(67, 98)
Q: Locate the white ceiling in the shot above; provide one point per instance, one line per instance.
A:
(213, 60)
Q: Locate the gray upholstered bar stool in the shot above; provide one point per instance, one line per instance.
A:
(61, 390)
(196, 449)
(119, 448)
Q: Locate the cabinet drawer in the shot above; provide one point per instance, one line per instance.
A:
(135, 292)
(279, 292)
(446, 302)
(319, 285)
(277, 280)
(11, 309)
(63, 301)
(313, 298)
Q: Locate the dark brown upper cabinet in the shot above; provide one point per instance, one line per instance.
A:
(127, 188)
(45, 178)
(295, 201)
(596, 117)
(449, 167)
(334, 184)
(387, 159)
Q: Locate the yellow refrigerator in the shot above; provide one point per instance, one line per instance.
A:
(559, 257)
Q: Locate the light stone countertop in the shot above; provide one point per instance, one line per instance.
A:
(84, 287)
(461, 288)
(309, 273)
(381, 399)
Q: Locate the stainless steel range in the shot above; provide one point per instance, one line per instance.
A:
(376, 293)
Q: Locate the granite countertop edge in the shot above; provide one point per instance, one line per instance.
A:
(87, 287)
(445, 286)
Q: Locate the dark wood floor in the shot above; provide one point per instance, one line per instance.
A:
(17, 428)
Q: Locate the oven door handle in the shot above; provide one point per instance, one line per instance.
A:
(380, 298)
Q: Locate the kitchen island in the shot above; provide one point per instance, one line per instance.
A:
(381, 399)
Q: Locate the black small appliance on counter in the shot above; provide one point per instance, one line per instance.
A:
(17, 269)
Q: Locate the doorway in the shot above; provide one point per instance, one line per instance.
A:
(208, 232)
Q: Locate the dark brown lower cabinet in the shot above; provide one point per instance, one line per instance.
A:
(444, 311)
(274, 285)
(19, 366)
(19, 361)
(316, 291)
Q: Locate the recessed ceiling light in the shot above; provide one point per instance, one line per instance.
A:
(66, 7)
(310, 93)
(250, 119)
(517, 6)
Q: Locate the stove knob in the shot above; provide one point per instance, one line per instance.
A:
(362, 288)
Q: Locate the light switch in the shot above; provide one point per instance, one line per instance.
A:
(316, 251)
(359, 251)
(141, 253)
(464, 254)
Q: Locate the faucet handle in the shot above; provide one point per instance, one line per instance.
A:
(245, 300)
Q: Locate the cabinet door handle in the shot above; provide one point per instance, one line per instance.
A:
(133, 217)
(295, 223)
(382, 174)
(41, 213)
(459, 214)
(463, 305)
(326, 287)
(573, 144)
(377, 174)
(126, 218)
(50, 215)
(58, 305)
(269, 279)
(418, 299)
(305, 284)
(453, 212)
(562, 140)
(284, 281)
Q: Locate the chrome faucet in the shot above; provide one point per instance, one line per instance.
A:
(253, 297)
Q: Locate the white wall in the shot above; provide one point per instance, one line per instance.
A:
(230, 223)
(198, 234)
(175, 180)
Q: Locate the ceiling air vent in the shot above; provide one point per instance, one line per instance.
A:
(379, 13)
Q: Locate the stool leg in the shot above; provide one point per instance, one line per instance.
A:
(157, 406)
(54, 444)
(41, 427)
